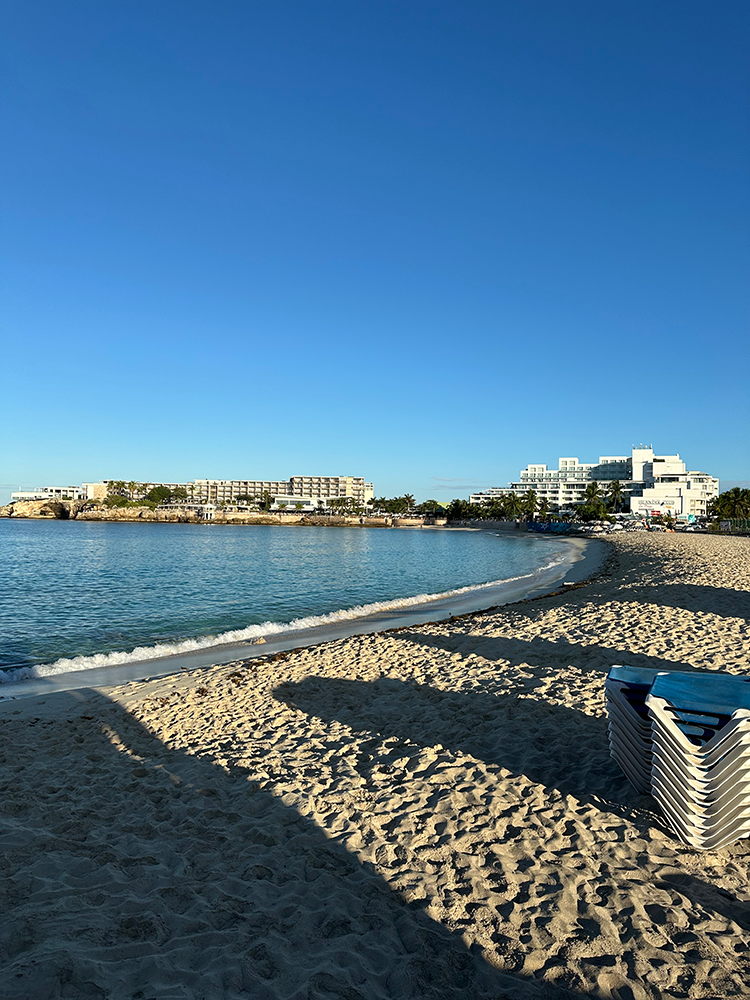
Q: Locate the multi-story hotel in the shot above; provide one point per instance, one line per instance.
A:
(651, 483)
(316, 488)
(310, 491)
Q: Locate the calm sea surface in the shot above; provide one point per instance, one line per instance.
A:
(72, 589)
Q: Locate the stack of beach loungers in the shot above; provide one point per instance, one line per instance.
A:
(626, 690)
(685, 739)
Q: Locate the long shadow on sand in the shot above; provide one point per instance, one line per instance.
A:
(550, 743)
(721, 601)
(136, 871)
(591, 657)
(709, 896)
(553, 745)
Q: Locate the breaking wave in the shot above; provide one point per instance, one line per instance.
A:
(263, 630)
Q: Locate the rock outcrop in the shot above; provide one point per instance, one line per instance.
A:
(61, 510)
(86, 510)
(101, 513)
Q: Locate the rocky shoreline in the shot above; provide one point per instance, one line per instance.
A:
(87, 510)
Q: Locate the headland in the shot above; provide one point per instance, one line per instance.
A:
(85, 510)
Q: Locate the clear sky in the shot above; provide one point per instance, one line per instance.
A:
(422, 242)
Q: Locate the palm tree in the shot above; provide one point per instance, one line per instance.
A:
(593, 507)
(408, 501)
(734, 503)
(513, 505)
(614, 494)
(528, 504)
(429, 507)
(591, 494)
(457, 510)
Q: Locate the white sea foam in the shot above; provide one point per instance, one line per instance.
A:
(250, 632)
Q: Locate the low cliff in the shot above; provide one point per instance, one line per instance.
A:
(60, 510)
(84, 510)
(101, 513)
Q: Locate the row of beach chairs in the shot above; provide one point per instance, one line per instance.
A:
(685, 739)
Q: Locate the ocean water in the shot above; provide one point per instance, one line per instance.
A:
(76, 594)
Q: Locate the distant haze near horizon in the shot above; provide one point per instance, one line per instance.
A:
(422, 243)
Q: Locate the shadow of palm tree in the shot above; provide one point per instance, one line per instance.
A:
(133, 870)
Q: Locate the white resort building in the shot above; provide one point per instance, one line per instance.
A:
(298, 488)
(300, 492)
(51, 493)
(652, 484)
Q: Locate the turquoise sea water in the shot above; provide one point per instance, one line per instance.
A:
(75, 594)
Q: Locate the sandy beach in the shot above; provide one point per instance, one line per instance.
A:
(429, 812)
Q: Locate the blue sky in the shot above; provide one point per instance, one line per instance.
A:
(426, 243)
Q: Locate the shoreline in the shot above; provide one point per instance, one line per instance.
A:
(83, 511)
(589, 556)
(430, 811)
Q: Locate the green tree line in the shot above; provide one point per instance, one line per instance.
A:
(133, 494)
(596, 505)
(734, 503)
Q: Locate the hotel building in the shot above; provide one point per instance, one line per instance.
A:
(317, 488)
(310, 491)
(650, 483)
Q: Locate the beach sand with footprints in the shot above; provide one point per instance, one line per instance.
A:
(424, 813)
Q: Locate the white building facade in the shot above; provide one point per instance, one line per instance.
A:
(297, 488)
(650, 483)
(311, 492)
(228, 491)
(50, 493)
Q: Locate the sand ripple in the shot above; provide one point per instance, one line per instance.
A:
(425, 813)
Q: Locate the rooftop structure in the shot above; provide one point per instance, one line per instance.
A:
(651, 483)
